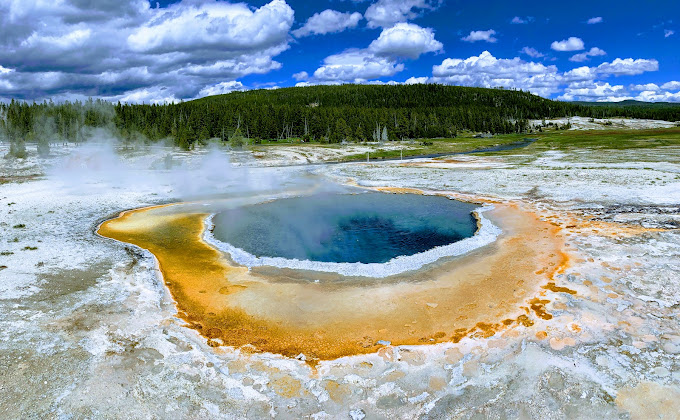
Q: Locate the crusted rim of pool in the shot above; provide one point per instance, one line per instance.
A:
(481, 292)
(485, 234)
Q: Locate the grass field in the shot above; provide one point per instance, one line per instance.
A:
(549, 140)
(609, 139)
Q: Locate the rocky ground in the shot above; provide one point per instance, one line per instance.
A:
(300, 154)
(583, 123)
(87, 329)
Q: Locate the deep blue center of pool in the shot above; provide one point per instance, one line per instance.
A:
(367, 227)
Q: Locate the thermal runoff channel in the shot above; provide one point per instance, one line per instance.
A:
(346, 228)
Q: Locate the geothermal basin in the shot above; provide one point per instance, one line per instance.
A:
(370, 234)
(327, 276)
(346, 228)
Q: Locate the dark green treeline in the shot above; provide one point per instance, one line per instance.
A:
(320, 113)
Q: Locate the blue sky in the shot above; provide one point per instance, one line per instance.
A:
(626, 31)
(136, 51)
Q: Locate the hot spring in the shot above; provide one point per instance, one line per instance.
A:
(365, 228)
(288, 307)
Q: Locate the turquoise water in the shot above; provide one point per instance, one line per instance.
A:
(346, 228)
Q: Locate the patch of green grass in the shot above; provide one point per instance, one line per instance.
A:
(614, 139)
(19, 226)
(6, 253)
(424, 147)
(29, 248)
(608, 139)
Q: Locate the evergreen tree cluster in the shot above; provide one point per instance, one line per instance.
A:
(318, 113)
(47, 122)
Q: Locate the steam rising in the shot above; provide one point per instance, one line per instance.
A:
(487, 234)
(105, 162)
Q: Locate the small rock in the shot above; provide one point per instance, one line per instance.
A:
(301, 357)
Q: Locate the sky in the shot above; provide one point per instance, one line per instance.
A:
(153, 52)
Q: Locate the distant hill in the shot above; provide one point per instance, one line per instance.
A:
(630, 103)
(381, 96)
(365, 112)
(322, 113)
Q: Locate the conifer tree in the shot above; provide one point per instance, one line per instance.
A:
(236, 140)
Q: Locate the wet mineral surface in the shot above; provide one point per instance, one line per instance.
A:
(88, 327)
(480, 293)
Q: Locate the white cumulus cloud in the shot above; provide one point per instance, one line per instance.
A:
(416, 80)
(579, 74)
(303, 75)
(356, 66)
(595, 92)
(628, 67)
(405, 40)
(151, 94)
(475, 36)
(571, 44)
(73, 39)
(328, 21)
(674, 85)
(222, 88)
(214, 26)
(130, 51)
(651, 92)
(652, 96)
(382, 58)
(646, 87)
(593, 52)
(581, 83)
(594, 20)
(531, 52)
(385, 13)
(486, 70)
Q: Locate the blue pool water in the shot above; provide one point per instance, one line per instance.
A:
(346, 228)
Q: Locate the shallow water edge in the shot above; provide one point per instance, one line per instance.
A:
(486, 234)
(486, 290)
